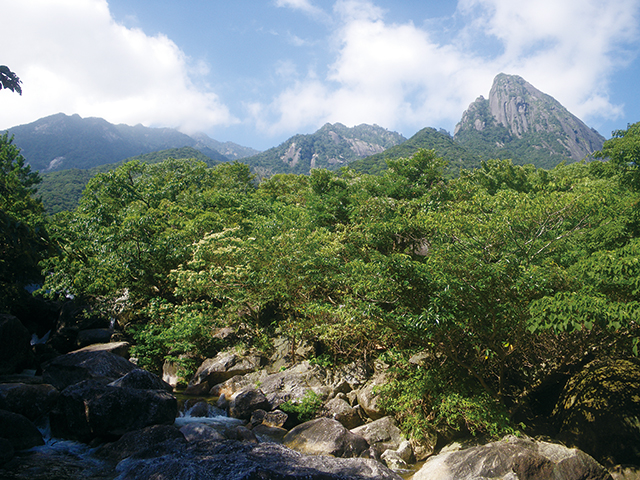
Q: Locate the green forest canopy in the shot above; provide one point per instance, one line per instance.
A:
(496, 277)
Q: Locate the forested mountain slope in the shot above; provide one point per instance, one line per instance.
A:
(61, 142)
(520, 122)
(331, 147)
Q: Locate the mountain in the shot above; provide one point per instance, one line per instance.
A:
(61, 190)
(231, 150)
(429, 138)
(520, 122)
(61, 142)
(331, 147)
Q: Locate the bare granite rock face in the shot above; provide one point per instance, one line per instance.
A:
(518, 119)
(513, 458)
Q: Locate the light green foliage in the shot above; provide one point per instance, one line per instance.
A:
(434, 397)
(306, 409)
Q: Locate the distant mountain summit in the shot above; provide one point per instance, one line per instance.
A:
(520, 122)
(60, 142)
(330, 147)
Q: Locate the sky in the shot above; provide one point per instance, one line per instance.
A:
(256, 72)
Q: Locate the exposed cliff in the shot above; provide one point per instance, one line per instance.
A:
(331, 147)
(520, 122)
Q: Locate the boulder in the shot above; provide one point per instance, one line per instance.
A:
(89, 410)
(340, 410)
(368, 397)
(19, 431)
(170, 373)
(142, 439)
(141, 380)
(266, 433)
(221, 368)
(324, 436)
(513, 458)
(15, 345)
(31, 400)
(234, 385)
(199, 409)
(72, 319)
(382, 434)
(599, 411)
(294, 383)
(75, 367)
(355, 374)
(282, 355)
(245, 461)
(243, 403)
(625, 472)
(393, 460)
(194, 432)
(117, 348)
(276, 418)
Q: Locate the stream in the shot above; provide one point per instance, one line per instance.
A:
(69, 460)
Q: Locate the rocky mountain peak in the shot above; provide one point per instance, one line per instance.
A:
(517, 113)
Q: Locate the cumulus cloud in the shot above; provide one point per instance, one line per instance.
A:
(399, 75)
(72, 57)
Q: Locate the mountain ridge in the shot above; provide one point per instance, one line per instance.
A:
(331, 146)
(60, 141)
(520, 122)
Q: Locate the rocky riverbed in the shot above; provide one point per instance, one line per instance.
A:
(93, 414)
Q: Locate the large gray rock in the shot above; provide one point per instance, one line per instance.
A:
(324, 436)
(599, 411)
(137, 440)
(285, 356)
(513, 458)
(142, 380)
(89, 410)
(19, 431)
(75, 367)
(15, 345)
(340, 410)
(243, 403)
(245, 461)
(369, 399)
(31, 400)
(194, 432)
(117, 348)
(382, 434)
(221, 368)
(294, 384)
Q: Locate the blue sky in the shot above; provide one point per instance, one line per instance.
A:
(257, 72)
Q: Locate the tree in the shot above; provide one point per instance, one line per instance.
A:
(9, 80)
(23, 236)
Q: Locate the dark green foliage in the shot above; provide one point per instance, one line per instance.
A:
(23, 236)
(456, 156)
(495, 278)
(61, 191)
(9, 80)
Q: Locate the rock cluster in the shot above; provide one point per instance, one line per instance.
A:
(98, 397)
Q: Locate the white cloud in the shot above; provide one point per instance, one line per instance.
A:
(567, 48)
(305, 6)
(400, 76)
(72, 57)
